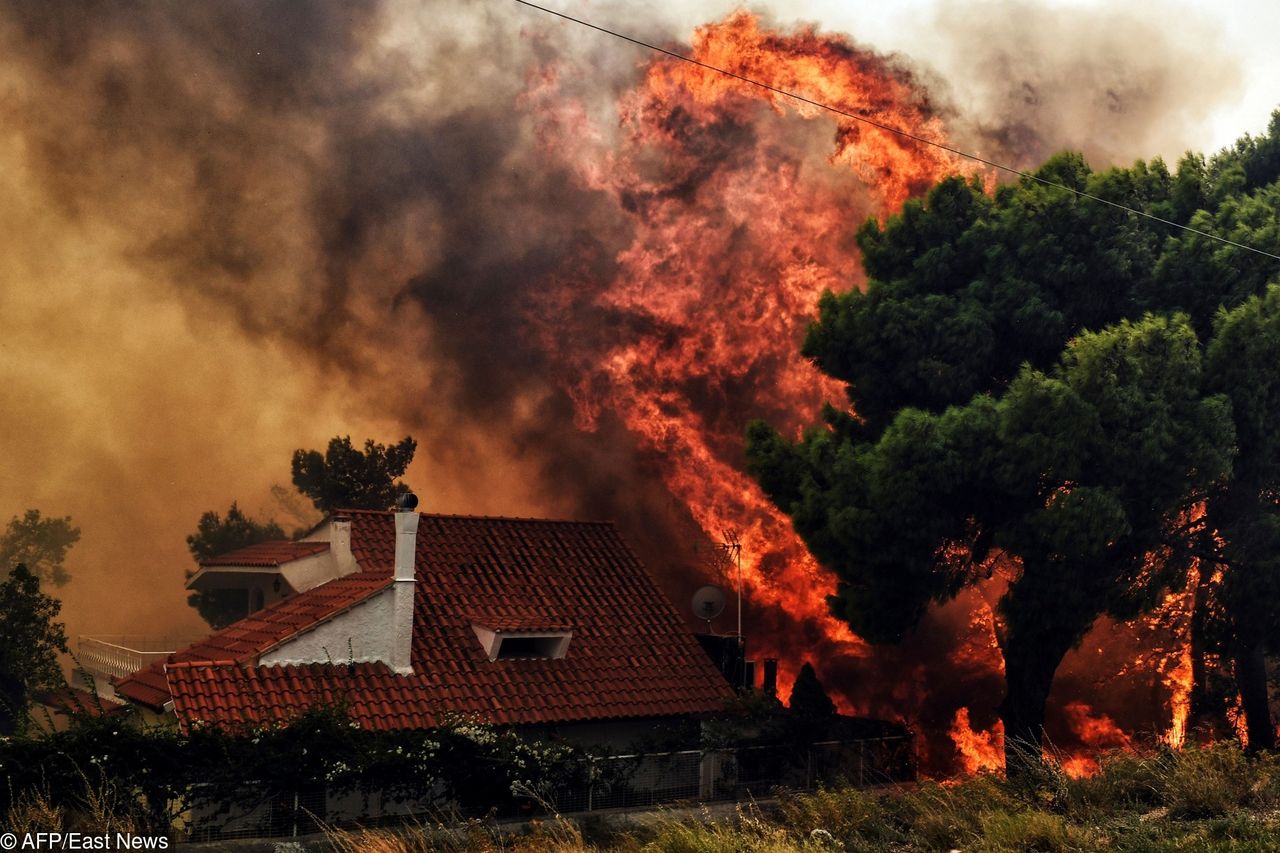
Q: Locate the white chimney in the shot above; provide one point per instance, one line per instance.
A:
(340, 545)
(405, 584)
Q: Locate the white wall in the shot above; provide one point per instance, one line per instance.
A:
(361, 635)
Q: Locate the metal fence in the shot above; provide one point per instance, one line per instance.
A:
(616, 783)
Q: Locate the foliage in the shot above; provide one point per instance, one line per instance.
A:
(990, 814)
(809, 700)
(40, 544)
(344, 477)
(154, 774)
(218, 535)
(1216, 781)
(30, 641)
(1009, 410)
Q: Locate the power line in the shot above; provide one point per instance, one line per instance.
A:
(891, 129)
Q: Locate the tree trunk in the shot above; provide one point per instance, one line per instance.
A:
(1030, 660)
(1199, 699)
(1251, 678)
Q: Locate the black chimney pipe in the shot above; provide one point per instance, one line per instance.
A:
(770, 685)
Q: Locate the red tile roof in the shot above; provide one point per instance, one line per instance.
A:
(268, 554)
(527, 624)
(631, 654)
(243, 641)
(73, 700)
(230, 695)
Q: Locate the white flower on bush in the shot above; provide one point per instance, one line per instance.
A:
(823, 837)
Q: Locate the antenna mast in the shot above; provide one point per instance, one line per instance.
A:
(733, 550)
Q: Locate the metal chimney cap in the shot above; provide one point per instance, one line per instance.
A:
(407, 502)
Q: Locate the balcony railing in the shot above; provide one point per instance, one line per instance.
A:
(121, 655)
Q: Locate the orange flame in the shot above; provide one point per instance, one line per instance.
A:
(735, 236)
(1179, 681)
(980, 752)
(1239, 723)
(1097, 733)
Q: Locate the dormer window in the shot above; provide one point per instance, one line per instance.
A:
(523, 642)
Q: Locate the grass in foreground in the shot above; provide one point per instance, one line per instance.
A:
(1202, 799)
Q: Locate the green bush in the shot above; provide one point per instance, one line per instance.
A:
(1211, 781)
(1124, 781)
(849, 816)
(1042, 832)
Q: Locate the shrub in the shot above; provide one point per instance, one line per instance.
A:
(1210, 782)
(1124, 781)
(850, 816)
(1029, 830)
(748, 833)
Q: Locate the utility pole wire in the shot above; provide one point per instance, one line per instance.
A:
(896, 130)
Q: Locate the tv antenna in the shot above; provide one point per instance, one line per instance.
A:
(732, 548)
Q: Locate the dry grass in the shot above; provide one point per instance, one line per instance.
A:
(35, 813)
(1210, 798)
(100, 808)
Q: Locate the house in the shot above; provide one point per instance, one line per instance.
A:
(268, 572)
(407, 618)
(53, 710)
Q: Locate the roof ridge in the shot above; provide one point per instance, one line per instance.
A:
(263, 553)
(607, 522)
(193, 664)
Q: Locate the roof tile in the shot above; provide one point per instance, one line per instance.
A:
(268, 554)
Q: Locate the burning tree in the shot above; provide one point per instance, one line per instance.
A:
(1244, 538)
(967, 448)
(1070, 475)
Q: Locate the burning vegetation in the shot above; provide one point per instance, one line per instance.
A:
(589, 295)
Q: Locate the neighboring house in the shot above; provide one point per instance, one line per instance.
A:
(407, 618)
(54, 710)
(268, 572)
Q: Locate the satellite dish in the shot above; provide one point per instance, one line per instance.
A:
(708, 602)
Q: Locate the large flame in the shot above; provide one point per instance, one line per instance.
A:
(736, 235)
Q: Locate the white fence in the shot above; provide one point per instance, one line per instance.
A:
(110, 656)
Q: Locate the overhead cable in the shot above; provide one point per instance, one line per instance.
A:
(895, 130)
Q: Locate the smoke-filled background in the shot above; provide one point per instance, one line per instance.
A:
(571, 269)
